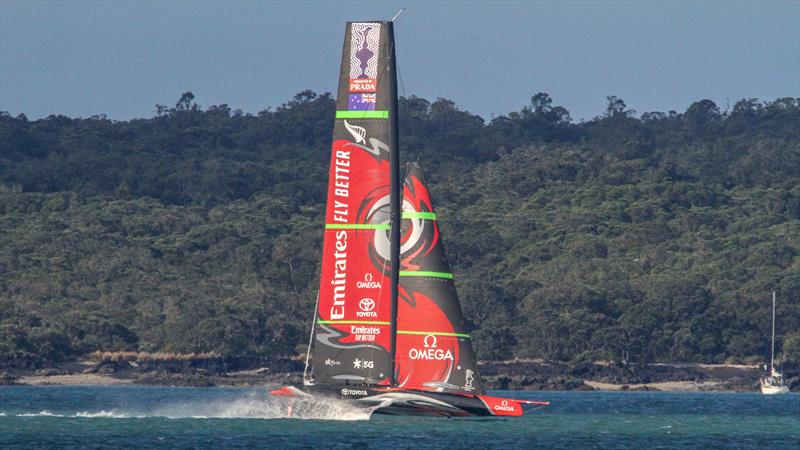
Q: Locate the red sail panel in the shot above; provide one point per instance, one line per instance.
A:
(352, 336)
(434, 350)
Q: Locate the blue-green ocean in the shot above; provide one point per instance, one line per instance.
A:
(163, 417)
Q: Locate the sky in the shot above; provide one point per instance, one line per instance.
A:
(122, 58)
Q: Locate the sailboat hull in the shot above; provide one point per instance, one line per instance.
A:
(409, 402)
(771, 390)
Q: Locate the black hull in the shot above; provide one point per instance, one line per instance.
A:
(407, 402)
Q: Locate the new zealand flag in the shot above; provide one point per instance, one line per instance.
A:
(361, 102)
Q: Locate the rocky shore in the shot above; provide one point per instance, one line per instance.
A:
(540, 375)
(516, 375)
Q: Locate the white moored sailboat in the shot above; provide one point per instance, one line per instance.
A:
(772, 382)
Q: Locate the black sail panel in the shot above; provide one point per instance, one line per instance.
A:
(434, 350)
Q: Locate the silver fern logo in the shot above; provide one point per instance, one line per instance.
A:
(359, 133)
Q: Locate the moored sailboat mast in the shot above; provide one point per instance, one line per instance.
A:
(772, 348)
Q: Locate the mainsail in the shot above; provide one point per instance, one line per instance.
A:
(434, 350)
(388, 321)
(353, 336)
(408, 331)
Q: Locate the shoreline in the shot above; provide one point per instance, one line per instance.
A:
(665, 386)
(502, 375)
(109, 380)
(82, 379)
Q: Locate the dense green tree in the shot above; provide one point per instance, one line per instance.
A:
(650, 239)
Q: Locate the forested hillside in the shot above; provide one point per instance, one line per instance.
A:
(652, 237)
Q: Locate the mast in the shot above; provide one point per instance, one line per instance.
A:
(772, 349)
(395, 204)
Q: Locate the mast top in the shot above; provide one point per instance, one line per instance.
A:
(397, 15)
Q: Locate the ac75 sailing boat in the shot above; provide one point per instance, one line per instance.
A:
(389, 334)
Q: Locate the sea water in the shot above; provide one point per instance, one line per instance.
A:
(163, 417)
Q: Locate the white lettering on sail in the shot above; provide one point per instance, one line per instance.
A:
(367, 305)
(341, 185)
(430, 352)
(358, 329)
(339, 275)
(363, 364)
(364, 333)
(368, 283)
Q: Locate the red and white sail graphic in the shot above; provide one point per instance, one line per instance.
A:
(352, 336)
(434, 351)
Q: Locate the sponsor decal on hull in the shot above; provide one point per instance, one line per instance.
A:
(350, 392)
(502, 406)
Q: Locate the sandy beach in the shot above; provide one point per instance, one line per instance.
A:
(670, 386)
(72, 379)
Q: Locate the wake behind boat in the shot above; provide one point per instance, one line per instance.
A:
(388, 333)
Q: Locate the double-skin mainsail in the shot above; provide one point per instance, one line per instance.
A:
(373, 328)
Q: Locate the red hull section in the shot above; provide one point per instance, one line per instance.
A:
(500, 406)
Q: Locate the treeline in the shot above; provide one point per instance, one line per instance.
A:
(652, 237)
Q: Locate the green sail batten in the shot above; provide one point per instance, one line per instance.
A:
(422, 273)
(419, 215)
(357, 226)
(434, 333)
(362, 114)
(351, 322)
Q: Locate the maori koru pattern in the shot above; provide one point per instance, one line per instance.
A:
(364, 41)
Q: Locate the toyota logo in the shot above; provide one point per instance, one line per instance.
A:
(366, 304)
